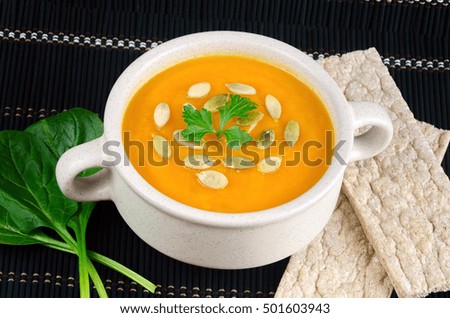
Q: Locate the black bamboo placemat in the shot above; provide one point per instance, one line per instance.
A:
(59, 54)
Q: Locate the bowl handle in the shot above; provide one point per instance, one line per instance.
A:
(378, 137)
(78, 159)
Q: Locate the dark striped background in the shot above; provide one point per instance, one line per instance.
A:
(40, 78)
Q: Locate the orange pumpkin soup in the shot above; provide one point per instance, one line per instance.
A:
(299, 120)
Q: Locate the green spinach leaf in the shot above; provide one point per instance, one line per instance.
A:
(28, 187)
(30, 198)
(60, 133)
(9, 233)
(66, 130)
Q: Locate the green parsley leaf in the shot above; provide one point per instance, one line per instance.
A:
(236, 137)
(237, 106)
(194, 133)
(199, 123)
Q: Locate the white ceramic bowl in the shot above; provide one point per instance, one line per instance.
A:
(210, 239)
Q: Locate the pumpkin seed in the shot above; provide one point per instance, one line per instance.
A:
(215, 102)
(182, 141)
(265, 139)
(238, 163)
(162, 146)
(161, 114)
(241, 89)
(197, 161)
(273, 106)
(252, 118)
(291, 132)
(250, 129)
(212, 179)
(269, 164)
(199, 90)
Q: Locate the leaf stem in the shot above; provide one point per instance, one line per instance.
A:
(77, 247)
(85, 289)
(106, 261)
(85, 266)
(65, 235)
(86, 263)
(123, 270)
(99, 286)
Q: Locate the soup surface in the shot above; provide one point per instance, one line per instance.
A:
(302, 165)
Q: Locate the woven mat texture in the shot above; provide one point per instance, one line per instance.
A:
(59, 54)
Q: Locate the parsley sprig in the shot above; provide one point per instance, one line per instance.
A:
(199, 122)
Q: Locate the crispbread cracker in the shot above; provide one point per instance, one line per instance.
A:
(437, 138)
(402, 196)
(340, 262)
